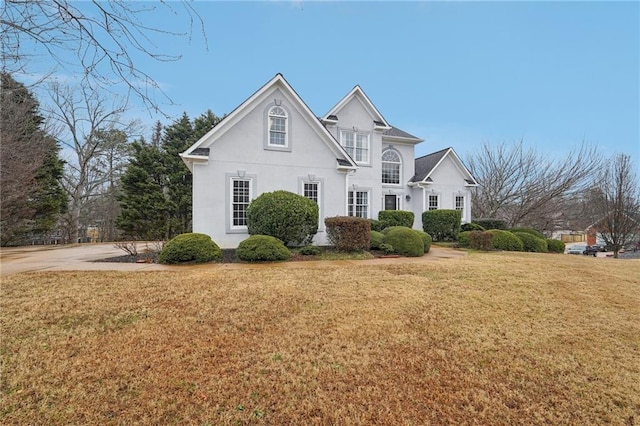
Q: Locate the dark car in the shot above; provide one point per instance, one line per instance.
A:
(591, 251)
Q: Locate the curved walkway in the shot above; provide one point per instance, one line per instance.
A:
(83, 258)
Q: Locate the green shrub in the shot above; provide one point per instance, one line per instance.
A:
(260, 248)
(289, 217)
(426, 240)
(375, 240)
(529, 231)
(405, 241)
(386, 248)
(376, 225)
(491, 223)
(389, 218)
(310, 251)
(442, 225)
(531, 243)
(471, 227)
(190, 248)
(348, 233)
(463, 238)
(477, 240)
(505, 240)
(555, 246)
(480, 240)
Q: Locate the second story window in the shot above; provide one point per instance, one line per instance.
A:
(277, 126)
(356, 144)
(391, 165)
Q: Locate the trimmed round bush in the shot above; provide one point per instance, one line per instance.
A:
(505, 240)
(477, 240)
(284, 215)
(262, 248)
(376, 240)
(190, 248)
(529, 231)
(348, 233)
(531, 243)
(426, 240)
(471, 227)
(555, 246)
(386, 248)
(405, 241)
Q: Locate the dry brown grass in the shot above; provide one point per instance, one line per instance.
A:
(487, 339)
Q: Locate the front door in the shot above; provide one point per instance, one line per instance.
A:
(391, 202)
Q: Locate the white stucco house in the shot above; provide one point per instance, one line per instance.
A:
(351, 161)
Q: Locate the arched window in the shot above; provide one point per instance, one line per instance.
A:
(277, 126)
(391, 165)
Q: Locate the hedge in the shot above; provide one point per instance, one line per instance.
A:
(505, 240)
(389, 218)
(491, 223)
(348, 233)
(531, 243)
(555, 246)
(261, 248)
(471, 227)
(529, 231)
(284, 215)
(190, 248)
(477, 240)
(405, 241)
(442, 225)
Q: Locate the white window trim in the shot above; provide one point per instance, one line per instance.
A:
(464, 205)
(355, 191)
(426, 200)
(230, 178)
(387, 184)
(320, 183)
(267, 129)
(355, 144)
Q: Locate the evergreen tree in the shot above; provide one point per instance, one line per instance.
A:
(143, 204)
(31, 191)
(177, 138)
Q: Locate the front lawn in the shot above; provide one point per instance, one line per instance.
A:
(489, 338)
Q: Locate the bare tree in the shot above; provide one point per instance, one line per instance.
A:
(84, 118)
(527, 188)
(614, 203)
(99, 39)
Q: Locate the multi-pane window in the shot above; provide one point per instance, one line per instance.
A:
(277, 126)
(359, 204)
(459, 204)
(391, 167)
(310, 191)
(356, 144)
(433, 202)
(240, 199)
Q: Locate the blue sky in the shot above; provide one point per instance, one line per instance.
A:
(454, 73)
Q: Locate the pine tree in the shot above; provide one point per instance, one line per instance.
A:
(31, 191)
(143, 204)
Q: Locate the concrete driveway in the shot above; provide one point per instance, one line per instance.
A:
(83, 258)
(67, 258)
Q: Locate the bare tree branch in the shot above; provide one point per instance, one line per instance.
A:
(100, 39)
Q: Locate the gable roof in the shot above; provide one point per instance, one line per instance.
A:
(195, 151)
(358, 93)
(425, 166)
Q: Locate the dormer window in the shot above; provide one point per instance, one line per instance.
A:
(277, 127)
